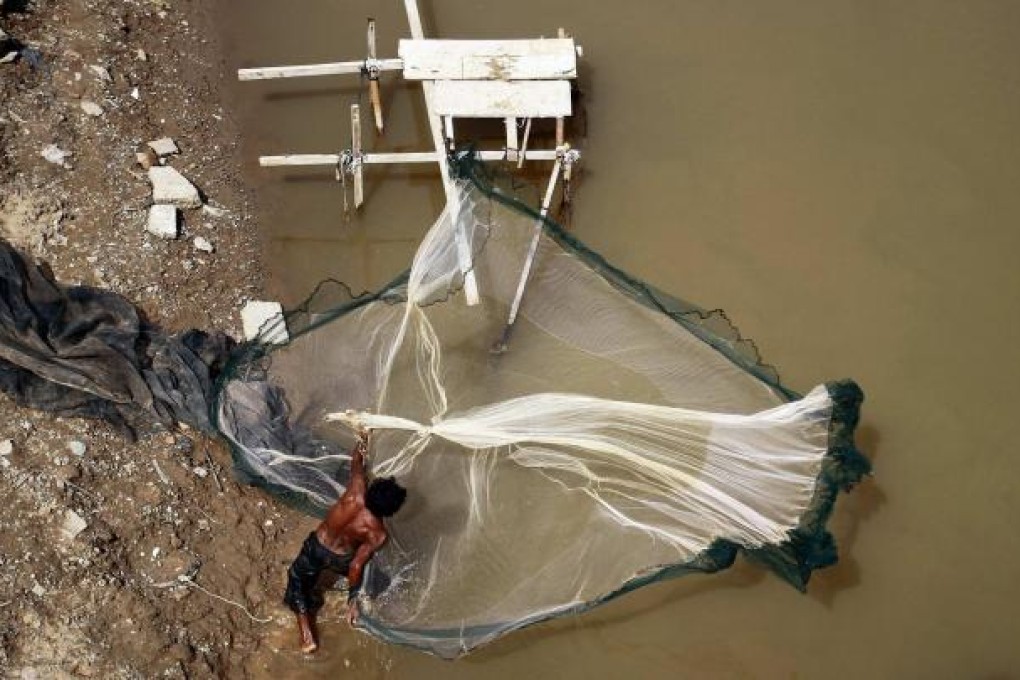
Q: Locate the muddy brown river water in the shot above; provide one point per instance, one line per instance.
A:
(842, 178)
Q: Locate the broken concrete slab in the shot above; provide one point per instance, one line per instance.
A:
(264, 321)
(164, 146)
(162, 220)
(170, 186)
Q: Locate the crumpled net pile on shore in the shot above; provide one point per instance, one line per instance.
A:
(623, 437)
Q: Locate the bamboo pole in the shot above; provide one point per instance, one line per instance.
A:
(529, 261)
(373, 78)
(359, 177)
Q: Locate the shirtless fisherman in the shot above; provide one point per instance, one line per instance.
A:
(352, 531)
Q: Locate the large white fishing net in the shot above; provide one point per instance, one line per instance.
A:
(615, 441)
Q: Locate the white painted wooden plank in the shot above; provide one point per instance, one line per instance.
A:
(330, 159)
(500, 99)
(553, 59)
(338, 68)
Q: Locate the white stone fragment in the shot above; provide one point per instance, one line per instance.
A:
(38, 590)
(101, 72)
(164, 146)
(135, 94)
(203, 244)
(54, 154)
(162, 221)
(214, 211)
(6, 447)
(76, 447)
(91, 108)
(170, 186)
(9, 57)
(264, 321)
(73, 525)
(200, 472)
(140, 55)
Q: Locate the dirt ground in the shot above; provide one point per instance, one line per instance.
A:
(179, 569)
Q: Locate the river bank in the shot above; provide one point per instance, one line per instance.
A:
(98, 532)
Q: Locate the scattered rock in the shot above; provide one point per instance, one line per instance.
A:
(162, 220)
(54, 154)
(135, 93)
(91, 108)
(200, 472)
(101, 72)
(6, 447)
(170, 186)
(73, 525)
(76, 447)
(214, 211)
(264, 320)
(38, 590)
(9, 58)
(140, 55)
(203, 245)
(164, 147)
(147, 158)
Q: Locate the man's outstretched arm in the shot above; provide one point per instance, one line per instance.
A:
(358, 483)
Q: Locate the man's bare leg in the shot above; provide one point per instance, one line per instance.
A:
(306, 629)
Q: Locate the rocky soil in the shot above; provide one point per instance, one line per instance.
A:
(119, 559)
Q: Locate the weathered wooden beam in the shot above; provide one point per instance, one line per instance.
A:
(333, 69)
(359, 176)
(553, 59)
(452, 197)
(331, 159)
(499, 99)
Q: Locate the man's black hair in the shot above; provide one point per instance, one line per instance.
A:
(384, 497)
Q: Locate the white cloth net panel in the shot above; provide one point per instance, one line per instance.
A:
(607, 446)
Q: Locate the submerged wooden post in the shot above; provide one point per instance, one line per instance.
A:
(359, 177)
(371, 65)
(511, 138)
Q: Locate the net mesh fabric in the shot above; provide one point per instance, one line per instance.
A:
(622, 437)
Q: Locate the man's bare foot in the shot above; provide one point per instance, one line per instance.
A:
(306, 629)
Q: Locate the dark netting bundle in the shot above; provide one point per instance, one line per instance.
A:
(623, 436)
(84, 351)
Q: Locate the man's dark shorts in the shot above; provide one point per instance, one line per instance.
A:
(315, 570)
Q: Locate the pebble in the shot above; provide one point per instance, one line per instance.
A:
(77, 447)
(101, 72)
(140, 55)
(38, 590)
(6, 447)
(73, 525)
(54, 154)
(91, 108)
(203, 244)
(200, 472)
(147, 158)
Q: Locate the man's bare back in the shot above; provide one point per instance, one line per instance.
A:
(342, 544)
